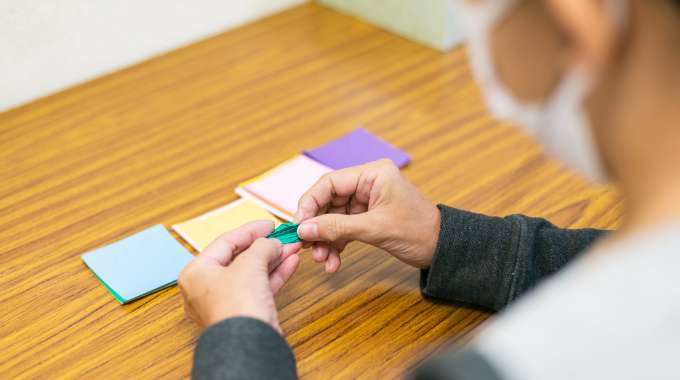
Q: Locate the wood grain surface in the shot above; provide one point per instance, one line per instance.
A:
(170, 138)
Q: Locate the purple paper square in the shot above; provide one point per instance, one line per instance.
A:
(356, 148)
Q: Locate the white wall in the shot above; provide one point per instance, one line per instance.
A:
(431, 22)
(48, 45)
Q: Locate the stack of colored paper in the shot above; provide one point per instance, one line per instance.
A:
(202, 230)
(138, 265)
(279, 189)
(356, 148)
(152, 259)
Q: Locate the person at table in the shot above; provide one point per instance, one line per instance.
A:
(597, 83)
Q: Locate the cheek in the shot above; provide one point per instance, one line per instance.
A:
(528, 51)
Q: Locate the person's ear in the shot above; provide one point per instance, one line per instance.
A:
(591, 28)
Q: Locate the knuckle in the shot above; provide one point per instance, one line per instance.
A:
(325, 176)
(385, 162)
(324, 182)
(305, 201)
(188, 313)
(184, 277)
(336, 229)
(264, 244)
(388, 165)
(224, 238)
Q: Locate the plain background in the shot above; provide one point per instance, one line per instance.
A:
(46, 46)
(430, 22)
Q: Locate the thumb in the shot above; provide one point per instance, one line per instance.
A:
(265, 253)
(334, 227)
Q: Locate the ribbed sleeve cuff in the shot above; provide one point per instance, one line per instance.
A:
(474, 261)
(461, 365)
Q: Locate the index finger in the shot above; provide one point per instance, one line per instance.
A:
(231, 243)
(340, 183)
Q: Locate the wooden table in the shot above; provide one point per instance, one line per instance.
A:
(170, 138)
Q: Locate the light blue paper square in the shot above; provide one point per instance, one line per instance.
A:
(139, 264)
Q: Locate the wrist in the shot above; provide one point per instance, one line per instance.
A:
(418, 239)
(431, 236)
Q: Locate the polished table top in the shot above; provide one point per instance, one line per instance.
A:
(170, 138)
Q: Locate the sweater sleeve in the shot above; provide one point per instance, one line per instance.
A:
(489, 261)
(461, 365)
(242, 348)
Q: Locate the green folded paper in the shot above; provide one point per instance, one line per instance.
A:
(286, 233)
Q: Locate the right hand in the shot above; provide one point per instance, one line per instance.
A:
(238, 275)
(372, 203)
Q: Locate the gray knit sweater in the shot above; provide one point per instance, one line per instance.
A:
(480, 260)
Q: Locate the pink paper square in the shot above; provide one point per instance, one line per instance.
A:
(283, 186)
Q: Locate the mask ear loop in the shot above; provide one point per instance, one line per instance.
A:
(574, 89)
(565, 112)
(494, 10)
(481, 19)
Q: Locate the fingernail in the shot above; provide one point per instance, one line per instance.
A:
(316, 255)
(308, 231)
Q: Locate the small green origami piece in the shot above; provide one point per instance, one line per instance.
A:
(286, 233)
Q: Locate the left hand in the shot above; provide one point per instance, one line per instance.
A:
(238, 275)
(372, 203)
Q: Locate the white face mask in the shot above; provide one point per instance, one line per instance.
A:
(559, 123)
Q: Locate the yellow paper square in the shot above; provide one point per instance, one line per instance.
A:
(202, 230)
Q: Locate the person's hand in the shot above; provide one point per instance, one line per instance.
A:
(238, 275)
(372, 203)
